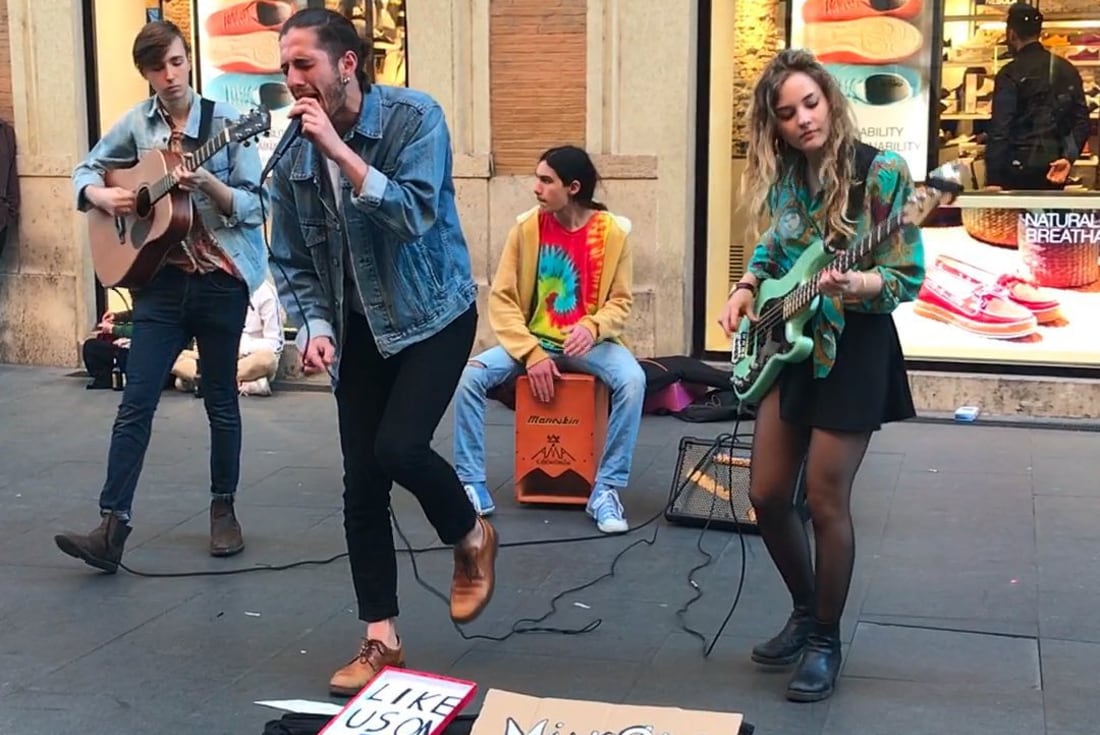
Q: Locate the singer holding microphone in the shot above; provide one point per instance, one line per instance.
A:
(373, 268)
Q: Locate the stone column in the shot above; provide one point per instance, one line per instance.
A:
(47, 297)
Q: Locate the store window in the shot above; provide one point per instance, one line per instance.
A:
(1013, 275)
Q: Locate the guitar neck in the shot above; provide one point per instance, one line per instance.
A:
(844, 260)
(190, 163)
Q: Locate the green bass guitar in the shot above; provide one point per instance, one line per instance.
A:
(784, 305)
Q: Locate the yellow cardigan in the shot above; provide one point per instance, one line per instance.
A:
(512, 296)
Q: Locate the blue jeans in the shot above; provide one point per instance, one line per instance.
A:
(612, 363)
(168, 312)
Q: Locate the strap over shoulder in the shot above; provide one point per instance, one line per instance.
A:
(206, 118)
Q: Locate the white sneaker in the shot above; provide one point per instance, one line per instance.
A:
(480, 498)
(605, 507)
(257, 387)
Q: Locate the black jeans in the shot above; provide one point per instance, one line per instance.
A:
(168, 312)
(389, 409)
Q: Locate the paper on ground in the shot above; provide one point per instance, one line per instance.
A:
(302, 706)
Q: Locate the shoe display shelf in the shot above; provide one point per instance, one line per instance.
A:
(972, 53)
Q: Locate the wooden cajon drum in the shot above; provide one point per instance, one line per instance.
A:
(559, 444)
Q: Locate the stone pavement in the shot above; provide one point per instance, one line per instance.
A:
(973, 608)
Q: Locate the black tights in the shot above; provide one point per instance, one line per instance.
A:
(832, 460)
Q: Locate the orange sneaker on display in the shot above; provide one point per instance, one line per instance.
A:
(864, 41)
(251, 53)
(249, 17)
(816, 11)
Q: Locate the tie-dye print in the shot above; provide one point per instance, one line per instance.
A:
(570, 265)
(797, 220)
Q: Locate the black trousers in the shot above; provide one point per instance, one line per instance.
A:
(389, 409)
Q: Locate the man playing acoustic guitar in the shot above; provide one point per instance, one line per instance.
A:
(201, 291)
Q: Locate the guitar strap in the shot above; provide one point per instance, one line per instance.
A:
(206, 118)
(865, 155)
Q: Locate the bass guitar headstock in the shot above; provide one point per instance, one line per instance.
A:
(941, 187)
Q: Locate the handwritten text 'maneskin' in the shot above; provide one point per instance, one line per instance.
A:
(512, 728)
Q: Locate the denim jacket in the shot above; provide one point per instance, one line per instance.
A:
(142, 129)
(411, 265)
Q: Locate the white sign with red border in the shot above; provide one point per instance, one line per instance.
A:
(402, 702)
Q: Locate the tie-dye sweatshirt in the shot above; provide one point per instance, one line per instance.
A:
(570, 264)
(549, 279)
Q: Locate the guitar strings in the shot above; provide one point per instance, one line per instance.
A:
(774, 316)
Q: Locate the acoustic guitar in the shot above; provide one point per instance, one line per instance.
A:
(784, 305)
(129, 250)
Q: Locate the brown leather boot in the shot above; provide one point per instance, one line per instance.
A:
(474, 576)
(225, 531)
(102, 548)
(373, 656)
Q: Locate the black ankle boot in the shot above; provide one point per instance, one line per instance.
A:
(815, 677)
(102, 548)
(788, 644)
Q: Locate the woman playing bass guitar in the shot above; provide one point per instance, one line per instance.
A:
(822, 411)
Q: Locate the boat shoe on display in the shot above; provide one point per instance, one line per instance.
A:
(1019, 287)
(952, 296)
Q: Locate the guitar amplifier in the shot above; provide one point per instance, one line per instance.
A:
(711, 485)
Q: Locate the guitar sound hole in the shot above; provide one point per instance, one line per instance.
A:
(144, 205)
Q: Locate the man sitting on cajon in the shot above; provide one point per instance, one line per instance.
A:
(559, 301)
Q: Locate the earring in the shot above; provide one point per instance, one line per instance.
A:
(344, 80)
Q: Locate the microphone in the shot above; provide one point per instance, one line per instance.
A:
(293, 130)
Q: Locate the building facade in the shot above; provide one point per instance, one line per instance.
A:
(656, 91)
(514, 78)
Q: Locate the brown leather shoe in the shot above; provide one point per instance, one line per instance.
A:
(373, 656)
(102, 548)
(474, 576)
(225, 531)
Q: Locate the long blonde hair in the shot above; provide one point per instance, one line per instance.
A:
(771, 160)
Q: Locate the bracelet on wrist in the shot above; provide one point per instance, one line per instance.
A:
(743, 286)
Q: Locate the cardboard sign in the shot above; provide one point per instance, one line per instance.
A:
(506, 713)
(402, 702)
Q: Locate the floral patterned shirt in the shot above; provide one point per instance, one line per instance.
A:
(797, 221)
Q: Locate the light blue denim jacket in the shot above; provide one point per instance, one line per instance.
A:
(142, 129)
(411, 265)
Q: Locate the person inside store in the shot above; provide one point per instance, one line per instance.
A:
(560, 300)
(201, 292)
(373, 252)
(803, 155)
(1040, 121)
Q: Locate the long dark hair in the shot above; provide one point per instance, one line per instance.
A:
(336, 35)
(571, 164)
